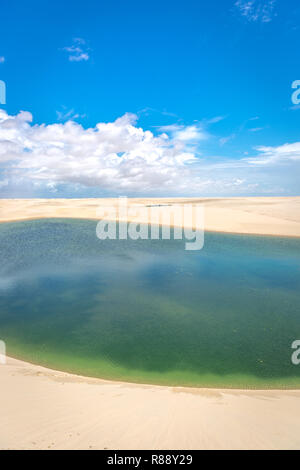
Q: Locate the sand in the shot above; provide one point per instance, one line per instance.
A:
(264, 216)
(45, 409)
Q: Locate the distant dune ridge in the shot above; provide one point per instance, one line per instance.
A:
(250, 215)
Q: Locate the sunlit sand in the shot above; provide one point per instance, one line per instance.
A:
(264, 216)
(44, 409)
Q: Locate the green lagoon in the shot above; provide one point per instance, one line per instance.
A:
(149, 311)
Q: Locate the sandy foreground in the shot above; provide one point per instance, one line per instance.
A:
(264, 216)
(45, 409)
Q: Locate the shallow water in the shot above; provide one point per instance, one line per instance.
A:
(149, 311)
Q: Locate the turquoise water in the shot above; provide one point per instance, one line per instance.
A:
(149, 311)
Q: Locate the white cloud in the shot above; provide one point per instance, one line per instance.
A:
(225, 140)
(2, 59)
(257, 10)
(216, 119)
(191, 134)
(256, 129)
(121, 158)
(78, 51)
(115, 156)
(4, 183)
(295, 107)
(282, 154)
(68, 115)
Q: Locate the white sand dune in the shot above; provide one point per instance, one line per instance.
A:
(45, 409)
(264, 216)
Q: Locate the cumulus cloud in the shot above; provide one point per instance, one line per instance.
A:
(120, 158)
(78, 51)
(112, 156)
(257, 10)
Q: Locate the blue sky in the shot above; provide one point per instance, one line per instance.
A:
(190, 98)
